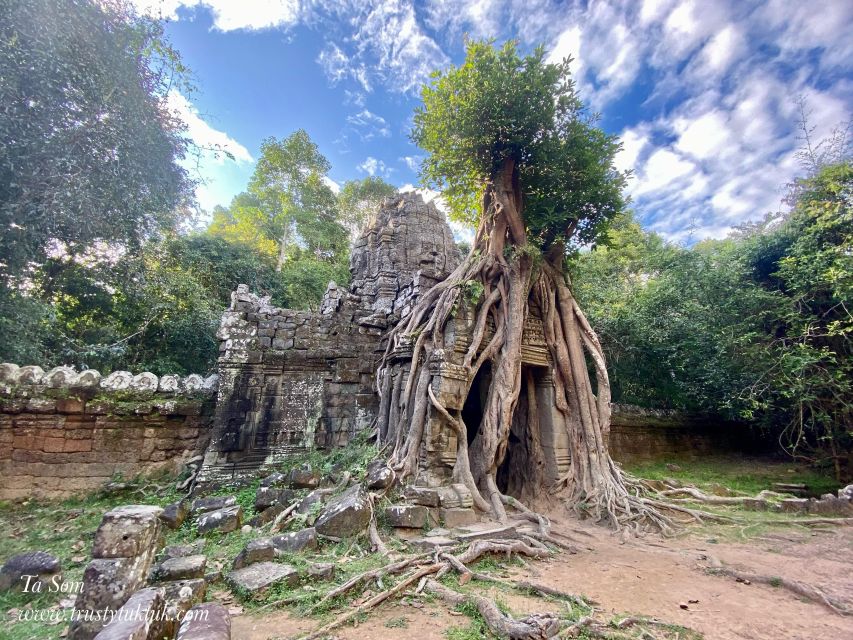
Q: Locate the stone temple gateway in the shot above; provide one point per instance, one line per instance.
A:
(292, 380)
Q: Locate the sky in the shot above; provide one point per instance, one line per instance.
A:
(705, 94)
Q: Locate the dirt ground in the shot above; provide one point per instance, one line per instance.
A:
(651, 577)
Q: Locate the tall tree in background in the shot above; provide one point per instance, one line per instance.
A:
(514, 153)
(90, 149)
(298, 206)
(360, 199)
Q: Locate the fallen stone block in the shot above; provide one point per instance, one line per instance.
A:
(140, 618)
(208, 621)
(260, 550)
(304, 477)
(267, 515)
(107, 585)
(183, 550)
(32, 572)
(267, 497)
(486, 531)
(422, 495)
(407, 515)
(794, 505)
(345, 515)
(379, 475)
(179, 597)
(429, 543)
(295, 541)
(202, 505)
(222, 520)
(174, 514)
(321, 570)
(457, 517)
(182, 568)
(455, 496)
(257, 578)
(275, 481)
(306, 506)
(127, 531)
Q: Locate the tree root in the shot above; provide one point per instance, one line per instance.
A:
(538, 626)
(802, 589)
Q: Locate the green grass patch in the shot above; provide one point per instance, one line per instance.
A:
(745, 474)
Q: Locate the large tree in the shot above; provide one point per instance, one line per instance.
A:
(90, 147)
(514, 153)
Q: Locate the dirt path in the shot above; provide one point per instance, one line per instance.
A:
(650, 577)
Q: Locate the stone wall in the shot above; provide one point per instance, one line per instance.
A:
(646, 435)
(64, 433)
(294, 380)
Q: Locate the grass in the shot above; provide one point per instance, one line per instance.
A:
(740, 473)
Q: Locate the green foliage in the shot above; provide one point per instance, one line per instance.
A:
(499, 105)
(756, 327)
(360, 199)
(90, 148)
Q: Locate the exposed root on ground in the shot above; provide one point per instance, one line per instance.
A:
(801, 589)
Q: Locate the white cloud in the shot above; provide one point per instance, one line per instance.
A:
(413, 162)
(373, 167)
(230, 15)
(215, 144)
(334, 186)
(368, 125)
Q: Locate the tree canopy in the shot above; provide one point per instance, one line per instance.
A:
(90, 149)
(499, 105)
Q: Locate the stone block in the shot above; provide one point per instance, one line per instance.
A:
(179, 597)
(138, 619)
(304, 477)
(200, 505)
(174, 514)
(209, 621)
(408, 516)
(127, 531)
(183, 550)
(257, 578)
(455, 496)
(457, 517)
(422, 495)
(794, 505)
(295, 540)
(486, 531)
(260, 550)
(320, 570)
(223, 520)
(267, 497)
(181, 568)
(379, 475)
(345, 515)
(31, 571)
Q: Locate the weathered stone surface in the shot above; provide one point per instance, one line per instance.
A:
(266, 497)
(407, 515)
(174, 514)
(304, 477)
(457, 517)
(256, 578)
(107, 584)
(201, 505)
(307, 504)
(321, 570)
(275, 480)
(183, 550)
(379, 476)
(208, 621)
(422, 495)
(127, 531)
(27, 570)
(182, 568)
(138, 619)
(428, 543)
(260, 550)
(296, 540)
(267, 515)
(794, 505)
(486, 531)
(179, 597)
(846, 493)
(455, 496)
(345, 515)
(830, 505)
(223, 520)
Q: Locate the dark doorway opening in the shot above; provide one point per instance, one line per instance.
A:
(522, 465)
(472, 411)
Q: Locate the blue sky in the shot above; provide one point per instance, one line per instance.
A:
(704, 93)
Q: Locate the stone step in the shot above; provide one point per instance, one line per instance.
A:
(257, 578)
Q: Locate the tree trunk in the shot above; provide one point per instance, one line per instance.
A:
(512, 278)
